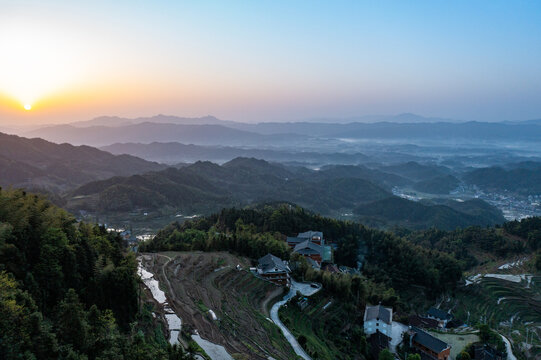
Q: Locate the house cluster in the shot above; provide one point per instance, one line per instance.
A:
(311, 245)
(378, 326)
(440, 319)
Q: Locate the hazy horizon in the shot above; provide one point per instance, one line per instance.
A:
(363, 119)
(269, 61)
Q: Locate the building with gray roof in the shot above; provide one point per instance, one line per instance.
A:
(274, 269)
(310, 250)
(378, 319)
(427, 345)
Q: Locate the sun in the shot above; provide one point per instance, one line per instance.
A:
(37, 61)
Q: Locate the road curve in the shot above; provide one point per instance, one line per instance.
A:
(510, 355)
(304, 289)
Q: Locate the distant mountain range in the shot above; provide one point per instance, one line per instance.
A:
(400, 118)
(36, 163)
(174, 152)
(115, 121)
(211, 131)
(385, 130)
(151, 132)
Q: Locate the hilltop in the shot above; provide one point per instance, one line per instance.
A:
(204, 187)
(37, 163)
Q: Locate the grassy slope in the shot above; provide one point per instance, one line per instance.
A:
(322, 328)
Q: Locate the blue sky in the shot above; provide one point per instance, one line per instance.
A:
(287, 60)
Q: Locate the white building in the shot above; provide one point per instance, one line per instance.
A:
(378, 318)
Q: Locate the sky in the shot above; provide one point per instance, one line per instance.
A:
(269, 60)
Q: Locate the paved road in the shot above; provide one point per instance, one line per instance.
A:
(397, 330)
(510, 355)
(304, 289)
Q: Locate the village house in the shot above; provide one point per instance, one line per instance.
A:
(315, 237)
(311, 245)
(441, 316)
(428, 346)
(378, 319)
(274, 269)
(310, 250)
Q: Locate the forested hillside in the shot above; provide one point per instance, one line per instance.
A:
(40, 164)
(386, 258)
(68, 290)
(524, 178)
(407, 270)
(447, 215)
(472, 245)
(205, 187)
(208, 186)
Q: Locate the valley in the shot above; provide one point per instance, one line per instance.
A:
(407, 225)
(270, 180)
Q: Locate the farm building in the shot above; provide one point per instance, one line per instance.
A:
(441, 316)
(315, 237)
(378, 319)
(310, 250)
(428, 346)
(274, 269)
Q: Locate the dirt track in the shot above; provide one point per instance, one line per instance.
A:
(196, 282)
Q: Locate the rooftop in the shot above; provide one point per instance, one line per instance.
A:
(310, 234)
(378, 312)
(308, 247)
(295, 240)
(428, 341)
(271, 263)
(439, 314)
(423, 322)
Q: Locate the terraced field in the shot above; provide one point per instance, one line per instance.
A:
(199, 285)
(511, 308)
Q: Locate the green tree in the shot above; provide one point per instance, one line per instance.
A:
(72, 325)
(385, 354)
